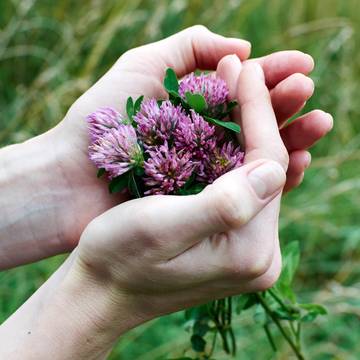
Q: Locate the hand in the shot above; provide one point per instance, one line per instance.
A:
(140, 71)
(159, 254)
(288, 97)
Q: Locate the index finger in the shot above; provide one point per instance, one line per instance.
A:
(259, 125)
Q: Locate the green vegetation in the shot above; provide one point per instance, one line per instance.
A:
(51, 52)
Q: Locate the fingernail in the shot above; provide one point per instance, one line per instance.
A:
(267, 179)
(308, 160)
(331, 121)
(248, 43)
(259, 70)
(310, 60)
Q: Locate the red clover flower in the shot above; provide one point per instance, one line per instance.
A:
(117, 151)
(101, 121)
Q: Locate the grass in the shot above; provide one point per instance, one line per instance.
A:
(51, 52)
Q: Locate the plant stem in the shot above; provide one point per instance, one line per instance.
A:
(217, 318)
(298, 335)
(278, 300)
(286, 308)
(270, 337)
(213, 345)
(273, 317)
(230, 329)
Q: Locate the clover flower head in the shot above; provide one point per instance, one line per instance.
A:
(156, 123)
(101, 121)
(222, 160)
(212, 88)
(195, 135)
(117, 151)
(167, 170)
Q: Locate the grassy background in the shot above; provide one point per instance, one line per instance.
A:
(50, 52)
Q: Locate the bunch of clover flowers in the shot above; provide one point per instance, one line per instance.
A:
(174, 146)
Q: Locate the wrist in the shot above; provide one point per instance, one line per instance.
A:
(93, 316)
(33, 193)
(70, 317)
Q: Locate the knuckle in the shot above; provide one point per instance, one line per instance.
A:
(199, 28)
(94, 237)
(229, 210)
(270, 277)
(128, 55)
(247, 264)
(148, 227)
(283, 156)
(258, 264)
(96, 229)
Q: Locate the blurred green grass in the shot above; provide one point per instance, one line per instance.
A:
(51, 52)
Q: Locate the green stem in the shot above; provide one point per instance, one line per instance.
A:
(233, 341)
(230, 329)
(217, 318)
(284, 306)
(278, 300)
(273, 317)
(298, 335)
(213, 345)
(270, 337)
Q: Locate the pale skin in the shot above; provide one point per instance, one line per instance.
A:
(125, 271)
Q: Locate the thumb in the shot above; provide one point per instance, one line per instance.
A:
(175, 223)
(169, 225)
(236, 197)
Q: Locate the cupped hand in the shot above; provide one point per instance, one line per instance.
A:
(159, 254)
(140, 72)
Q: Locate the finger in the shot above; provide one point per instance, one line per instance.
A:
(228, 69)
(198, 48)
(294, 182)
(305, 131)
(290, 95)
(280, 65)
(260, 130)
(299, 161)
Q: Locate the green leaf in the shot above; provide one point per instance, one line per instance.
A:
(313, 310)
(318, 308)
(198, 312)
(198, 343)
(100, 172)
(241, 302)
(138, 104)
(291, 258)
(260, 315)
(286, 315)
(310, 316)
(133, 186)
(139, 171)
(192, 190)
(196, 102)
(231, 105)
(130, 107)
(171, 84)
(119, 183)
(226, 124)
(200, 328)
